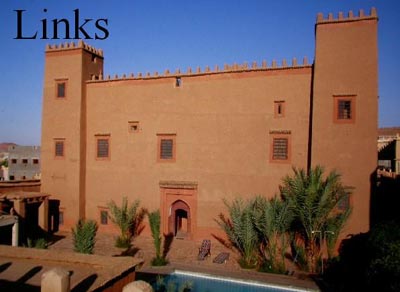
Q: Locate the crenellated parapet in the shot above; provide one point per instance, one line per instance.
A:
(71, 46)
(208, 70)
(341, 17)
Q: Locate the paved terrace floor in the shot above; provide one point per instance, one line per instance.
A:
(183, 256)
(21, 268)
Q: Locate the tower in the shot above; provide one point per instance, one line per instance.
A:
(344, 112)
(67, 68)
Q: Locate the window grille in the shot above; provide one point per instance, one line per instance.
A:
(344, 110)
(280, 149)
(102, 148)
(166, 149)
(59, 148)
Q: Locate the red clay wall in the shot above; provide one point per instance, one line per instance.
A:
(222, 124)
(346, 65)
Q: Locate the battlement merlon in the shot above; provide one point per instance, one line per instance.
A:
(350, 17)
(235, 68)
(72, 46)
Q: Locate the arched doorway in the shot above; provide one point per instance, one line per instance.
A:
(179, 221)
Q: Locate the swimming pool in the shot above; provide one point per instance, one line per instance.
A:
(183, 281)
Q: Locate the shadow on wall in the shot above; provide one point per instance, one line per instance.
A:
(385, 199)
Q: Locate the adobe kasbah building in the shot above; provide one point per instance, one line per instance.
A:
(182, 142)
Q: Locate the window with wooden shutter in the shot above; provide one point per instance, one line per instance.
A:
(61, 88)
(166, 147)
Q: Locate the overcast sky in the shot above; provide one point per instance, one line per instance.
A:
(148, 36)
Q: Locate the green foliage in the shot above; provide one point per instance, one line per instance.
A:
(241, 231)
(4, 163)
(315, 200)
(127, 218)
(367, 261)
(384, 248)
(155, 224)
(84, 236)
(40, 243)
(272, 219)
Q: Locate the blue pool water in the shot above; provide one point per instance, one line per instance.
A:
(178, 280)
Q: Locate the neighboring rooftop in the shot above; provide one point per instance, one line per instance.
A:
(4, 146)
(389, 131)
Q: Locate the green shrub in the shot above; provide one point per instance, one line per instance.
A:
(155, 224)
(40, 243)
(128, 219)
(84, 236)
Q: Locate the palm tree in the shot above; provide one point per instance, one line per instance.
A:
(155, 224)
(125, 218)
(241, 231)
(315, 201)
(272, 220)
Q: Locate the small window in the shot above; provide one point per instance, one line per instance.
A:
(35, 161)
(61, 88)
(104, 217)
(344, 111)
(59, 148)
(94, 59)
(12, 177)
(24, 161)
(280, 148)
(133, 127)
(102, 147)
(13, 161)
(178, 82)
(279, 109)
(166, 147)
(344, 203)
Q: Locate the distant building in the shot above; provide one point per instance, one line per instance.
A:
(23, 162)
(182, 142)
(389, 149)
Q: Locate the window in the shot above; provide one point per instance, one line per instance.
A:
(13, 161)
(102, 147)
(103, 217)
(166, 147)
(344, 203)
(35, 161)
(280, 146)
(280, 149)
(61, 88)
(133, 127)
(178, 82)
(25, 161)
(59, 148)
(279, 109)
(344, 111)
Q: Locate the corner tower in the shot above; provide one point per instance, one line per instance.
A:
(345, 105)
(67, 68)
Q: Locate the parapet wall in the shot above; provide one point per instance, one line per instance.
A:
(234, 68)
(71, 46)
(350, 16)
